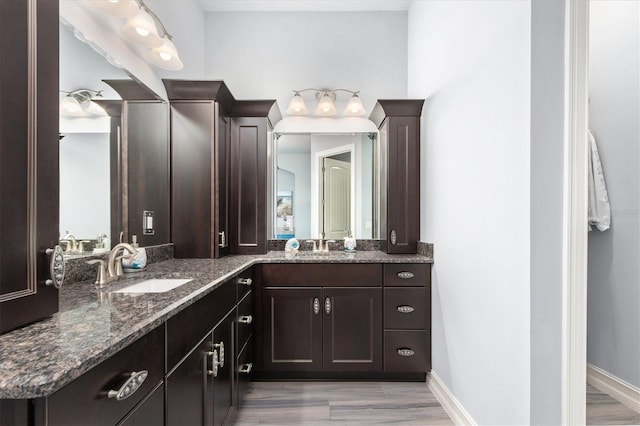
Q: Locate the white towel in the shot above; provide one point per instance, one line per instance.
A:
(599, 209)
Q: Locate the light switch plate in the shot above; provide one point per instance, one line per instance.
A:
(147, 223)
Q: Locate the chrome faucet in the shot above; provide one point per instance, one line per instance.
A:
(112, 269)
(114, 264)
(72, 243)
(321, 245)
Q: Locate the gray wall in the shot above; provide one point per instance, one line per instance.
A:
(613, 331)
(268, 54)
(547, 169)
(471, 61)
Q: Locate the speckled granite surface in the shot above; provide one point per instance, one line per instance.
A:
(425, 249)
(92, 325)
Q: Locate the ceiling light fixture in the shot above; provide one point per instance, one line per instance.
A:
(76, 103)
(145, 28)
(326, 103)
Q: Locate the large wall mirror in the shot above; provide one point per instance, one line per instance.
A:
(324, 186)
(114, 168)
(85, 163)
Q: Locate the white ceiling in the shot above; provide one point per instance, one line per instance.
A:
(303, 5)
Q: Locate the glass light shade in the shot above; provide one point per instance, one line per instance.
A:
(165, 56)
(297, 106)
(142, 30)
(70, 106)
(355, 107)
(120, 8)
(325, 106)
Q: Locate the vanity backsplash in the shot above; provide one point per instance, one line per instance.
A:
(77, 268)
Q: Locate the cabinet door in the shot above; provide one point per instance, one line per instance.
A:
(188, 388)
(191, 178)
(248, 185)
(292, 329)
(222, 380)
(28, 158)
(403, 185)
(352, 329)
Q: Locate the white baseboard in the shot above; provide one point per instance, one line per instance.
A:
(449, 402)
(613, 386)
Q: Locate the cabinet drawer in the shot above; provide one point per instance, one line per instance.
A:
(322, 275)
(244, 283)
(407, 274)
(244, 366)
(407, 351)
(245, 320)
(187, 328)
(406, 308)
(85, 402)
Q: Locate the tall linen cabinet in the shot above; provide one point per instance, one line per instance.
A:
(218, 165)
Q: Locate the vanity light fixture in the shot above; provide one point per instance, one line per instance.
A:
(326, 103)
(145, 28)
(76, 102)
(142, 30)
(119, 8)
(326, 107)
(297, 105)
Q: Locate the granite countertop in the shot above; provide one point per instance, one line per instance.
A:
(93, 324)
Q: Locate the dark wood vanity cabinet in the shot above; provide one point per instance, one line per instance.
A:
(219, 170)
(398, 122)
(28, 159)
(200, 132)
(251, 125)
(88, 401)
(320, 320)
(209, 355)
(407, 318)
(328, 321)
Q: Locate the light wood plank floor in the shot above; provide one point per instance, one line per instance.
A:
(604, 410)
(343, 403)
(378, 403)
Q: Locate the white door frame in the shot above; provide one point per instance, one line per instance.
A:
(574, 303)
(315, 186)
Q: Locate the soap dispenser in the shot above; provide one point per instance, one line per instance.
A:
(349, 243)
(137, 262)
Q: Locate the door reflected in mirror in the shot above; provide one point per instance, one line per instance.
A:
(324, 186)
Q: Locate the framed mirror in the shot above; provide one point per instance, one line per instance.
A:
(324, 186)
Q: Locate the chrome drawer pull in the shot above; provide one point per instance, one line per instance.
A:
(245, 319)
(129, 387)
(214, 363)
(56, 267)
(246, 368)
(327, 305)
(405, 309)
(220, 348)
(245, 281)
(405, 275)
(316, 306)
(393, 237)
(406, 352)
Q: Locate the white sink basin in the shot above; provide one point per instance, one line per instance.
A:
(154, 286)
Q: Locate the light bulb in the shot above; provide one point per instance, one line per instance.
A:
(165, 56)
(142, 31)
